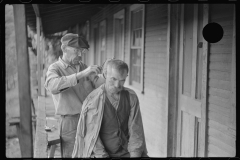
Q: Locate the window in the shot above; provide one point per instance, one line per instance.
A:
(102, 42)
(118, 31)
(136, 46)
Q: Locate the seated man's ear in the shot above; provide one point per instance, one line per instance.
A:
(105, 74)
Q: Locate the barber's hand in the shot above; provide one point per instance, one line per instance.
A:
(92, 69)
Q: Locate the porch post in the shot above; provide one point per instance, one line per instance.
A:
(38, 56)
(173, 52)
(25, 137)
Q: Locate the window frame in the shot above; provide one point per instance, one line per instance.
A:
(135, 7)
(118, 15)
(104, 24)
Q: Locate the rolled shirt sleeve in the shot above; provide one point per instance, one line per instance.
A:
(55, 83)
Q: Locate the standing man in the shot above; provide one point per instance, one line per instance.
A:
(70, 81)
(110, 124)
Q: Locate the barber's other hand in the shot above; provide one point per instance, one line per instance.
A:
(92, 69)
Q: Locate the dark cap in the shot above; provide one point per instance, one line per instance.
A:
(73, 40)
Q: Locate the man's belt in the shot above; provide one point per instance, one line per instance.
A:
(70, 115)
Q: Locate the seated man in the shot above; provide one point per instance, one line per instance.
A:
(110, 124)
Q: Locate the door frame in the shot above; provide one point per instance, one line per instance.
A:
(204, 89)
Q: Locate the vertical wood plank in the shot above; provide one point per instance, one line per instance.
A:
(191, 137)
(42, 63)
(123, 35)
(173, 23)
(179, 128)
(168, 50)
(26, 138)
(204, 86)
(40, 144)
(143, 50)
(194, 55)
(233, 75)
(38, 56)
(167, 65)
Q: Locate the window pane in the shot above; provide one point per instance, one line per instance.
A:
(187, 49)
(140, 19)
(135, 65)
(139, 37)
(133, 19)
(118, 38)
(137, 19)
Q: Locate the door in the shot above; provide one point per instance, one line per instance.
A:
(119, 35)
(190, 81)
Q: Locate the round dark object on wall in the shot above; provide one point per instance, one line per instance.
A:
(212, 32)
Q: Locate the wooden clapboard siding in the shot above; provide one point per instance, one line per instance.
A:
(214, 151)
(219, 101)
(155, 79)
(219, 110)
(152, 115)
(221, 57)
(154, 28)
(224, 138)
(157, 38)
(222, 128)
(220, 50)
(221, 137)
(220, 66)
(215, 83)
(220, 92)
(156, 33)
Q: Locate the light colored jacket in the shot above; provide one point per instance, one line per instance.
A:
(90, 122)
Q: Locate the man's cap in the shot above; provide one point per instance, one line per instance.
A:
(73, 40)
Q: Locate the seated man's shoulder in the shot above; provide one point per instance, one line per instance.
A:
(95, 93)
(131, 92)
